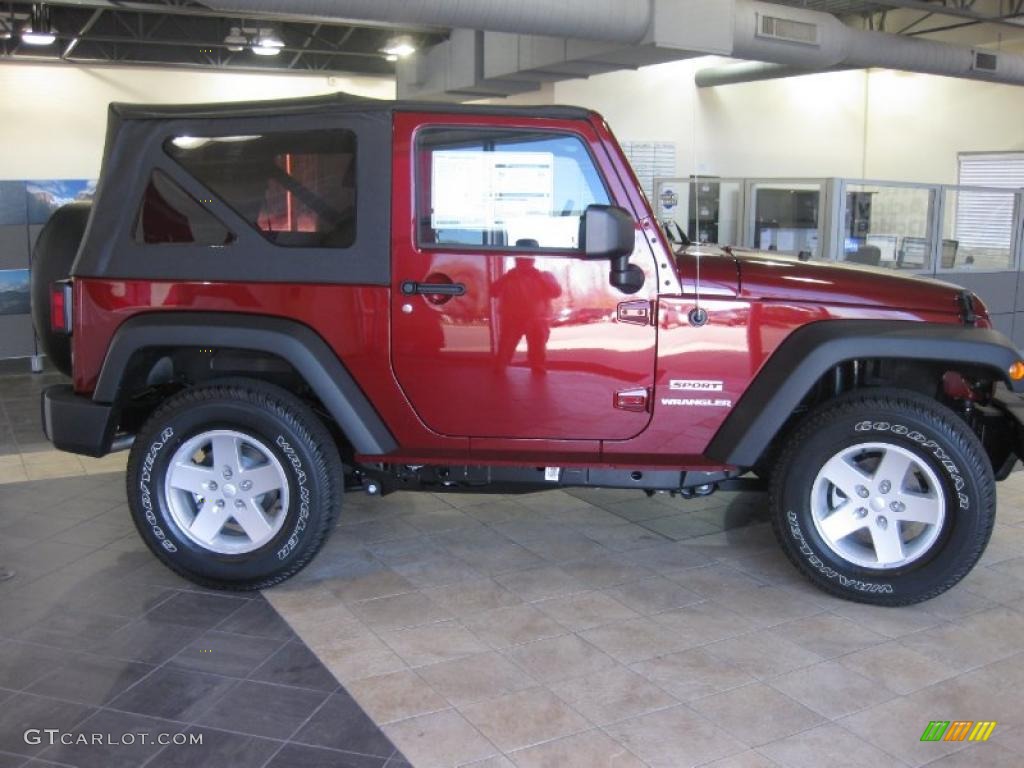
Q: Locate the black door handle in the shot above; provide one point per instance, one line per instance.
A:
(411, 287)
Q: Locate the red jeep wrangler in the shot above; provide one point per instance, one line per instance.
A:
(274, 302)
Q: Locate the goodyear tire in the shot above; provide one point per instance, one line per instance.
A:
(885, 497)
(234, 485)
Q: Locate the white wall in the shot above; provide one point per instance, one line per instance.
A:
(878, 124)
(53, 117)
(920, 123)
(875, 124)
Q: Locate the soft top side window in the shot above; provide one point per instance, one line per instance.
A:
(169, 214)
(297, 188)
(514, 189)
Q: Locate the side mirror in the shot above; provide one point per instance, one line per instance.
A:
(608, 232)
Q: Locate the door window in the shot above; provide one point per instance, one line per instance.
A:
(516, 190)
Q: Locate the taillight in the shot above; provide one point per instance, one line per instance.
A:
(60, 307)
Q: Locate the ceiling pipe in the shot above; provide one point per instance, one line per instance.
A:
(752, 72)
(617, 21)
(841, 47)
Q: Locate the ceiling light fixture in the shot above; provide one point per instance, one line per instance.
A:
(267, 43)
(39, 30)
(235, 40)
(399, 47)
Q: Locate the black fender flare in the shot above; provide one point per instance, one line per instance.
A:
(810, 351)
(293, 342)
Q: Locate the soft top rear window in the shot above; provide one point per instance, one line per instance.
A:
(297, 188)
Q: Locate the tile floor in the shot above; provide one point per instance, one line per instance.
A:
(25, 454)
(96, 637)
(603, 628)
(583, 628)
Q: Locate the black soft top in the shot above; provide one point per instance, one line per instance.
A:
(136, 134)
(332, 103)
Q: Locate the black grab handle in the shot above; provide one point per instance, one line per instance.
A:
(411, 287)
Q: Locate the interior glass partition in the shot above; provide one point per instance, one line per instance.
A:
(916, 228)
(787, 216)
(886, 225)
(704, 209)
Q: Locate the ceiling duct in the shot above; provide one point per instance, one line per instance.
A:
(839, 46)
(790, 40)
(619, 21)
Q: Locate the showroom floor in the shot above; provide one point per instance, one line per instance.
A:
(584, 628)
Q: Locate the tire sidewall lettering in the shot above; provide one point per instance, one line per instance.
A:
(815, 562)
(305, 497)
(928, 444)
(146, 493)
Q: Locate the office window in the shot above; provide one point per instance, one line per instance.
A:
(978, 226)
(297, 188)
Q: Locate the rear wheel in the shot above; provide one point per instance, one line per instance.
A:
(234, 485)
(884, 497)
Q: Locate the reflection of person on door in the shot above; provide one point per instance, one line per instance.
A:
(524, 295)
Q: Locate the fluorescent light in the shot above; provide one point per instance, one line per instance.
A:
(399, 47)
(391, 57)
(37, 38)
(39, 30)
(267, 43)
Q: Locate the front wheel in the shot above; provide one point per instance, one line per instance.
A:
(234, 485)
(884, 497)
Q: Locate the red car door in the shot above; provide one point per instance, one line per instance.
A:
(498, 327)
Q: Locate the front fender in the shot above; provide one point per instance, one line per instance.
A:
(812, 350)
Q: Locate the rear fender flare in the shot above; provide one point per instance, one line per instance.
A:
(293, 342)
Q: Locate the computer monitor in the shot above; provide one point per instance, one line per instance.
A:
(949, 249)
(886, 244)
(913, 252)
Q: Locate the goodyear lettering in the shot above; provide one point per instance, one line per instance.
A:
(146, 496)
(304, 498)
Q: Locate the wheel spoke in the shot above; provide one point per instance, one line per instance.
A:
(888, 544)
(842, 523)
(264, 479)
(208, 522)
(225, 453)
(253, 521)
(893, 467)
(844, 476)
(219, 504)
(917, 508)
(190, 477)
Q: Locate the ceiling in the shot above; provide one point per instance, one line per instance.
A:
(921, 17)
(185, 33)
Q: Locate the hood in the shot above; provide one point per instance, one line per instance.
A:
(785, 279)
